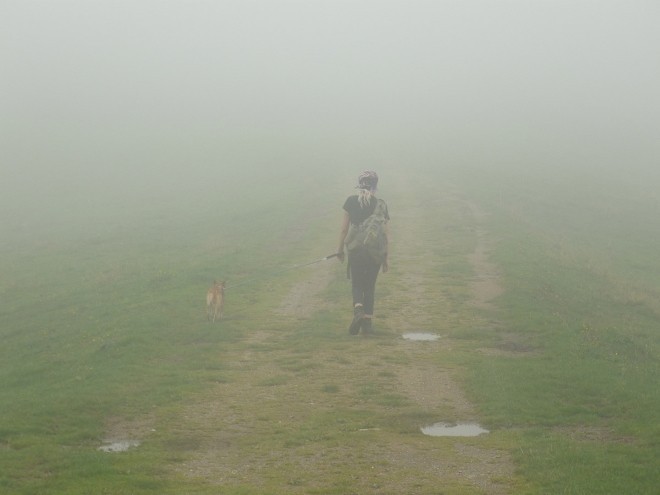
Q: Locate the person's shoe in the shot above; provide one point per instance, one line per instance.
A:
(358, 315)
(365, 325)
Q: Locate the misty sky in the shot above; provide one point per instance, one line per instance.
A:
(92, 87)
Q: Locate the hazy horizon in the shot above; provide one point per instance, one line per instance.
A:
(125, 97)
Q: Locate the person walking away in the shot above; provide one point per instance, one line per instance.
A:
(365, 235)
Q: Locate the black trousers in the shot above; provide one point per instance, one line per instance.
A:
(364, 272)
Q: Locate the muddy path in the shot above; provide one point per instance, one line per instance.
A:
(343, 414)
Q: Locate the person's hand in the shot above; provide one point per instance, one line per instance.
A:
(386, 266)
(340, 256)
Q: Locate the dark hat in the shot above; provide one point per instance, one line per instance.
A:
(368, 180)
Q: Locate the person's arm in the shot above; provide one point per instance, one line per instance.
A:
(386, 263)
(342, 236)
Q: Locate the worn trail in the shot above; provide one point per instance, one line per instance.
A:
(343, 414)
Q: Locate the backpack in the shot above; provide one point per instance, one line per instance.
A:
(370, 234)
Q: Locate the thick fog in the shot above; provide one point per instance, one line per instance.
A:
(139, 97)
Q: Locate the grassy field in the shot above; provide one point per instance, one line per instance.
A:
(545, 297)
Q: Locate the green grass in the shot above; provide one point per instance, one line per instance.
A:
(574, 296)
(103, 322)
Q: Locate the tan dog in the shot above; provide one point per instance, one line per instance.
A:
(215, 301)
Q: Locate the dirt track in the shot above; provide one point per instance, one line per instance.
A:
(225, 435)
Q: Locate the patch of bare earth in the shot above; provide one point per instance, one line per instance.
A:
(595, 434)
(426, 383)
(485, 287)
(303, 299)
(130, 431)
(511, 346)
(485, 284)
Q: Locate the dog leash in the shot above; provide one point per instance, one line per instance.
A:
(330, 256)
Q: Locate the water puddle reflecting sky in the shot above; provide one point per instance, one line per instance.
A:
(458, 430)
(121, 446)
(421, 336)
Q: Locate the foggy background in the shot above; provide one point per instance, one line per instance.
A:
(121, 102)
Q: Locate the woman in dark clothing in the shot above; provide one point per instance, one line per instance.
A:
(363, 268)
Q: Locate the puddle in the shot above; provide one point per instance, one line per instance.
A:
(458, 430)
(122, 446)
(420, 336)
